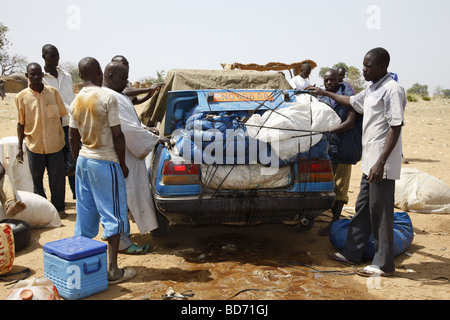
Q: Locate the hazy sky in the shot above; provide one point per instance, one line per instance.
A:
(202, 34)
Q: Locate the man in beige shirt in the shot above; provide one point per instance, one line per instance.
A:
(40, 110)
(100, 165)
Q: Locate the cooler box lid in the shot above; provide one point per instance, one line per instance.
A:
(75, 248)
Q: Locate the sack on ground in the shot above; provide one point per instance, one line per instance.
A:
(417, 191)
(403, 235)
(39, 212)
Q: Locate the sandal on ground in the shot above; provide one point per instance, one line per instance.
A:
(128, 273)
(136, 249)
(339, 258)
(62, 214)
(372, 271)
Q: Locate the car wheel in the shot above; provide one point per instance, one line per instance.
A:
(163, 225)
(21, 232)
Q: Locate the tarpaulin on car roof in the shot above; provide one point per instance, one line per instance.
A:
(181, 79)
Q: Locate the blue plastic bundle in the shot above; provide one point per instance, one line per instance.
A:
(403, 235)
(318, 151)
(205, 134)
(203, 131)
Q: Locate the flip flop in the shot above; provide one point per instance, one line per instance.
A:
(371, 271)
(339, 258)
(136, 249)
(128, 273)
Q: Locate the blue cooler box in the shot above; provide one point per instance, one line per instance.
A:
(77, 266)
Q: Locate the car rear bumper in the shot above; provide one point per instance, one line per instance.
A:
(244, 208)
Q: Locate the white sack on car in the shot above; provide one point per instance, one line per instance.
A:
(298, 127)
(244, 177)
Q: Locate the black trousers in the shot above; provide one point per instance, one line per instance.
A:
(66, 149)
(374, 215)
(54, 163)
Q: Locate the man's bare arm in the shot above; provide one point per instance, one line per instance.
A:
(74, 142)
(20, 136)
(377, 171)
(119, 146)
(348, 124)
(341, 99)
(150, 92)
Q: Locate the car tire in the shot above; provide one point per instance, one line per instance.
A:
(163, 225)
(21, 231)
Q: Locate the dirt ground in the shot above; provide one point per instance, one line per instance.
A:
(275, 262)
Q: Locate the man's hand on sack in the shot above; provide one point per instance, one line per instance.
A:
(153, 130)
(316, 90)
(166, 141)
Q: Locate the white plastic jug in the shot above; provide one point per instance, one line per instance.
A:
(19, 173)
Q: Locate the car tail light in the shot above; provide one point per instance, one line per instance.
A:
(178, 172)
(315, 171)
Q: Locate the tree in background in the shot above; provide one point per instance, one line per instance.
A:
(71, 68)
(442, 93)
(160, 75)
(418, 89)
(9, 64)
(353, 75)
(12, 64)
(3, 40)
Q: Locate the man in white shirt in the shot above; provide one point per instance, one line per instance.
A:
(133, 93)
(301, 81)
(62, 81)
(139, 143)
(383, 105)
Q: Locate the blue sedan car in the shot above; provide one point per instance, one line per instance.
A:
(197, 182)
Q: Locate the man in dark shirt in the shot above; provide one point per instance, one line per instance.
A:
(345, 143)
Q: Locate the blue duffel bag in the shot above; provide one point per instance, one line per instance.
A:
(403, 235)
